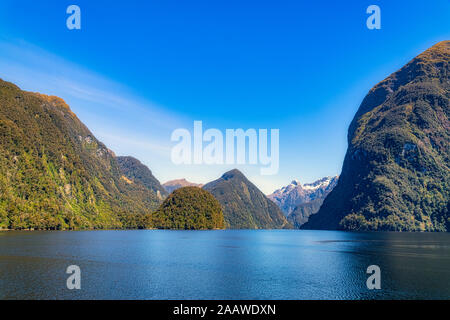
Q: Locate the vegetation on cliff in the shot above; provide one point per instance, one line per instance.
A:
(54, 174)
(136, 172)
(303, 211)
(396, 173)
(244, 205)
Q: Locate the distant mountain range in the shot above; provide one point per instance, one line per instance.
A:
(172, 185)
(396, 172)
(294, 194)
(244, 205)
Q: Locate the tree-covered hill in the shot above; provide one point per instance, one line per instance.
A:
(54, 174)
(189, 208)
(396, 173)
(244, 205)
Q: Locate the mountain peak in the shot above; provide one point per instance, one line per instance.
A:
(244, 205)
(294, 194)
(173, 185)
(442, 47)
(427, 65)
(235, 173)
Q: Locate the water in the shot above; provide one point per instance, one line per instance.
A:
(231, 264)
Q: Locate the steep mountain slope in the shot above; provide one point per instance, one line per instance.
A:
(303, 211)
(396, 171)
(190, 208)
(54, 174)
(244, 205)
(172, 185)
(137, 172)
(294, 194)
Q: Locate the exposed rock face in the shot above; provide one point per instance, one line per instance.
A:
(294, 194)
(396, 173)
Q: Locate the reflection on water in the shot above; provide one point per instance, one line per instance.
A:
(231, 264)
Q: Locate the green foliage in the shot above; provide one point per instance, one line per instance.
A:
(354, 222)
(396, 173)
(302, 212)
(244, 205)
(190, 208)
(135, 171)
(54, 174)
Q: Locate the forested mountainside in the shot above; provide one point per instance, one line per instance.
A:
(137, 172)
(54, 174)
(244, 205)
(396, 173)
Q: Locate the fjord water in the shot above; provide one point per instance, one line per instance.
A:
(230, 264)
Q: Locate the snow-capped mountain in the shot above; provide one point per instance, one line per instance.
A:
(294, 194)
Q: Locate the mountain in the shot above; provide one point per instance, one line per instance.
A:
(190, 208)
(294, 194)
(179, 183)
(137, 172)
(300, 215)
(54, 174)
(396, 173)
(244, 205)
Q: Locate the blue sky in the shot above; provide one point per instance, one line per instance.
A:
(137, 70)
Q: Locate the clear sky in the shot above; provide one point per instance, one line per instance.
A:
(137, 70)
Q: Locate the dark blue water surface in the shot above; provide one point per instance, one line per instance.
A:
(231, 264)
